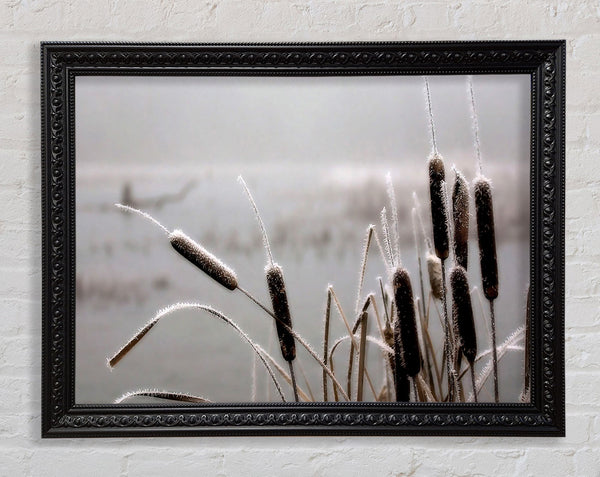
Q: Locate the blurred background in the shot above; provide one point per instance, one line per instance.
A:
(315, 152)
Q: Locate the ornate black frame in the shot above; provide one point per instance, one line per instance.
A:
(544, 61)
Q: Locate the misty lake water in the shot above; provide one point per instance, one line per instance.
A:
(316, 218)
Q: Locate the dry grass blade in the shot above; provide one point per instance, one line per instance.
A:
(363, 265)
(312, 396)
(385, 227)
(424, 389)
(263, 231)
(395, 224)
(303, 395)
(127, 208)
(357, 323)
(170, 396)
(371, 339)
(313, 354)
(187, 306)
(351, 334)
(508, 344)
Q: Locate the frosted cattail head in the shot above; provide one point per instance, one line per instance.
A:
(401, 383)
(406, 339)
(462, 313)
(437, 195)
(281, 310)
(203, 259)
(434, 270)
(486, 236)
(460, 217)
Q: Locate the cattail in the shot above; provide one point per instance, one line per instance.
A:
(486, 236)
(405, 329)
(401, 381)
(437, 193)
(460, 216)
(281, 309)
(462, 313)
(434, 269)
(203, 259)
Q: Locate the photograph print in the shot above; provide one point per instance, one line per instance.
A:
(302, 238)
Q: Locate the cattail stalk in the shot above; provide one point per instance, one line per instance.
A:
(353, 347)
(462, 313)
(486, 236)
(362, 354)
(301, 393)
(326, 343)
(279, 301)
(427, 350)
(278, 294)
(439, 220)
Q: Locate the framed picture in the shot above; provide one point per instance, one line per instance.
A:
(351, 238)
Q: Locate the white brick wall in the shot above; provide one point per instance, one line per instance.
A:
(26, 22)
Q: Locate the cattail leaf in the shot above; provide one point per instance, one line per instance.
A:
(437, 194)
(406, 337)
(203, 259)
(462, 313)
(167, 395)
(486, 236)
(279, 300)
(460, 217)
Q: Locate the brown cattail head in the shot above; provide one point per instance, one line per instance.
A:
(487, 236)
(401, 383)
(281, 310)
(406, 340)
(203, 259)
(460, 217)
(462, 313)
(437, 195)
(434, 270)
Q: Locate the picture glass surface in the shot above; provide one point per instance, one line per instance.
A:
(318, 155)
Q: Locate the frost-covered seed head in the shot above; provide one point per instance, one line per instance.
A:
(486, 236)
(203, 259)
(460, 217)
(437, 195)
(406, 339)
(281, 309)
(462, 313)
(434, 269)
